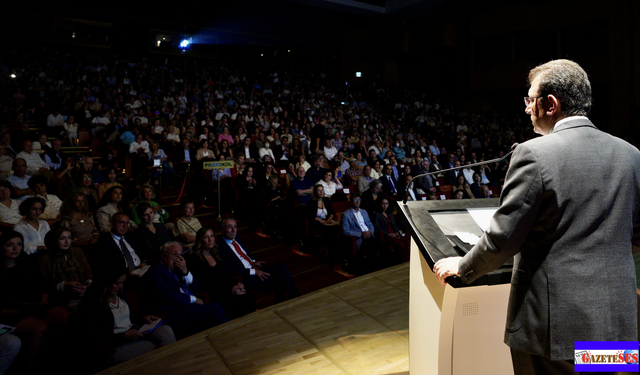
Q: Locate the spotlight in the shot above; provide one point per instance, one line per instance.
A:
(184, 43)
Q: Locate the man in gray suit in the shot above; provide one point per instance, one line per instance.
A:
(573, 273)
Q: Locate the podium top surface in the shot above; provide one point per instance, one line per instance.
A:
(428, 219)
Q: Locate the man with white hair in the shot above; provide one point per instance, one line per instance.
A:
(169, 290)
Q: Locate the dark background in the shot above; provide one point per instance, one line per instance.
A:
(475, 53)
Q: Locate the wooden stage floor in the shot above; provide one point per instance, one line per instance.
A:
(360, 326)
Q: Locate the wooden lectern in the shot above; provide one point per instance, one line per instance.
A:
(457, 329)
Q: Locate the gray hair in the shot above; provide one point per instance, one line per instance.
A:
(567, 81)
(170, 244)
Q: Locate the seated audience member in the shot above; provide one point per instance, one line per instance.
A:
(33, 229)
(65, 269)
(9, 208)
(370, 196)
(205, 264)
(35, 164)
(458, 194)
(139, 152)
(52, 157)
(386, 223)
(24, 302)
(255, 275)
(87, 166)
(71, 130)
(110, 204)
(158, 154)
(275, 208)
(321, 217)
(376, 169)
(290, 175)
(184, 156)
(356, 223)
(316, 172)
(365, 180)
(186, 225)
(63, 178)
(302, 162)
(407, 189)
(78, 220)
(109, 181)
(85, 186)
(152, 236)
(204, 153)
(330, 183)
(389, 183)
(117, 248)
(249, 151)
(352, 174)
(147, 194)
(39, 186)
(247, 186)
(463, 186)
(6, 162)
(476, 186)
(302, 187)
(168, 289)
(425, 184)
(20, 180)
(104, 317)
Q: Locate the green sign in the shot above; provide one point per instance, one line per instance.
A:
(217, 164)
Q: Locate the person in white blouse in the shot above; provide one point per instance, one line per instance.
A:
(9, 208)
(33, 229)
(139, 146)
(71, 130)
(330, 183)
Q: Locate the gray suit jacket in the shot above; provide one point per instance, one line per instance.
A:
(567, 216)
(350, 224)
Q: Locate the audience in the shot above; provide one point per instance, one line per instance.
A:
(267, 130)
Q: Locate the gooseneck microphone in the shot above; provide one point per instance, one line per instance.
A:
(513, 147)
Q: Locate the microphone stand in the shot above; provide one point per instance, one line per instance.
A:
(406, 194)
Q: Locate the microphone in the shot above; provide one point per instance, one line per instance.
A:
(513, 148)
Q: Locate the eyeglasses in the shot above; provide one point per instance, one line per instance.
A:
(87, 178)
(529, 99)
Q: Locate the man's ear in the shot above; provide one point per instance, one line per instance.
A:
(552, 105)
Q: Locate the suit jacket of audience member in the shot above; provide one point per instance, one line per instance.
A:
(178, 156)
(278, 151)
(230, 260)
(253, 151)
(425, 183)
(451, 177)
(350, 224)
(433, 167)
(402, 190)
(106, 253)
(363, 183)
(164, 288)
(386, 186)
(381, 224)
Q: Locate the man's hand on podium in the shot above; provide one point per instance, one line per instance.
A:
(446, 267)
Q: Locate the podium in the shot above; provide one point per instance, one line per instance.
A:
(457, 329)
